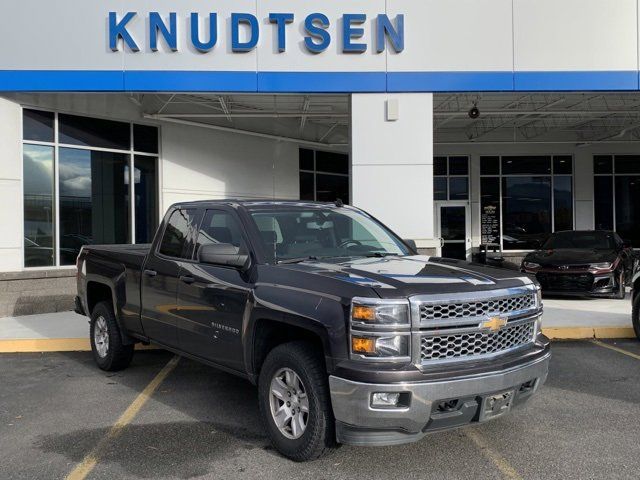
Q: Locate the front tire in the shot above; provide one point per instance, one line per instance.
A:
(635, 314)
(295, 406)
(108, 350)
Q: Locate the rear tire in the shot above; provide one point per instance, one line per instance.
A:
(299, 379)
(635, 314)
(106, 342)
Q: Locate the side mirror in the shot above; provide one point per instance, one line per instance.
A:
(411, 244)
(223, 254)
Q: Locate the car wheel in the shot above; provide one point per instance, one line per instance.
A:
(635, 314)
(294, 400)
(108, 350)
(622, 289)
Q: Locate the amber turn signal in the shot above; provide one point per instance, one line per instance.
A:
(363, 345)
(363, 313)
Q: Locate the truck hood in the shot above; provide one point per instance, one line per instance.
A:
(393, 277)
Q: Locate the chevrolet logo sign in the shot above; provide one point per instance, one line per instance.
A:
(494, 323)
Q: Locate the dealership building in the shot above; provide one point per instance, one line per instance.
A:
(457, 123)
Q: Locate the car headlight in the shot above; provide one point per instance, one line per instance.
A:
(601, 266)
(380, 329)
(531, 265)
(375, 313)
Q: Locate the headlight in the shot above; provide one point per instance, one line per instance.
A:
(601, 266)
(375, 313)
(380, 346)
(530, 265)
(380, 329)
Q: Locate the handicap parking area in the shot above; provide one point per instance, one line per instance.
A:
(57, 408)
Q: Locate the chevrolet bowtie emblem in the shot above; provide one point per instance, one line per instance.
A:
(494, 323)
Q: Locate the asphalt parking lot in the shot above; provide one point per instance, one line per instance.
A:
(57, 408)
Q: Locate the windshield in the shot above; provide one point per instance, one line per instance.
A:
(581, 240)
(299, 233)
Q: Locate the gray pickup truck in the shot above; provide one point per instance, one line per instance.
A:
(349, 334)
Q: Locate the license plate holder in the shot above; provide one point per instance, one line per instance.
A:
(496, 405)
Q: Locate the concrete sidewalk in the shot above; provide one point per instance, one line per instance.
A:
(578, 318)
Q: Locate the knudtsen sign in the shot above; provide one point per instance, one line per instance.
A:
(244, 32)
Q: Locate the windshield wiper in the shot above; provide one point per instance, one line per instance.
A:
(296, 260)
(381, 255)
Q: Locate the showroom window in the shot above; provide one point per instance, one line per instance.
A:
(451, 178)
(77, 185)
(324, 176)
(616, 184)
(525, 198)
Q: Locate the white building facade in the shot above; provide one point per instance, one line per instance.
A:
(455, 123)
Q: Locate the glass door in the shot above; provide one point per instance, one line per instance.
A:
(453, 229)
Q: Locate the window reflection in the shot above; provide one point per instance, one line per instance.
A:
(94, 200)
(146, 193)
(38, 206)
(526, 204)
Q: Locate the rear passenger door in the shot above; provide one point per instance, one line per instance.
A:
(212, 299)
(161, 274)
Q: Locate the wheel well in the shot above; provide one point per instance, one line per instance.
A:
(96, 293)
(269, 334)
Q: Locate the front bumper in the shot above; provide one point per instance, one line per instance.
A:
(358, 423)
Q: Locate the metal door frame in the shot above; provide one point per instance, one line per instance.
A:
(438, 225)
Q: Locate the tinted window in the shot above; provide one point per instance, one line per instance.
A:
(627, 164)
(145, 138)
(37, 125)
(458, 188)
(458, 166)
(38, 206)
(489, 165)
(94, 200)
(307, 191)
(331, 187)
(602, 164)
(526, 219)
(563, 203)
(93, 132)
(440, 188)
(177, 239)
(332, 162)
(219, 227)
(603, 202)
(440, 165)
(526, 165)
(563, 165)
(146, 195)
(628, 208)
(306, 159)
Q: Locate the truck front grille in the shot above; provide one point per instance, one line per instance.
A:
(465, 345)
(492, 306)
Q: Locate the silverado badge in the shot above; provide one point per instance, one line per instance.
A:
(494, 323)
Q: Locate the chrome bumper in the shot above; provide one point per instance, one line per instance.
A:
(358, 423)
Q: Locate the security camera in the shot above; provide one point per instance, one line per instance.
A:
(474, 112)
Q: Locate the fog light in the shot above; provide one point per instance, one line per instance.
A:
(385, 399)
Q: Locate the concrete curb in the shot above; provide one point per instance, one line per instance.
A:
(82, 344)
(38, 345)
(588, 333)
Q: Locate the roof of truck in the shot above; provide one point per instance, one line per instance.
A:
(258, 203)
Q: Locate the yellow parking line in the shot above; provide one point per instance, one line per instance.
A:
(498, 460)
(616, 349)
(88, 463)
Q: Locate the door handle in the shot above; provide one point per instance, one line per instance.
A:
(187, 279)
(150, 273)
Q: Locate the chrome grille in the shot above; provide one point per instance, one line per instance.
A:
(492, 306)
(465, 345)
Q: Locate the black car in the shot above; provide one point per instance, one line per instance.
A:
(594, 263)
